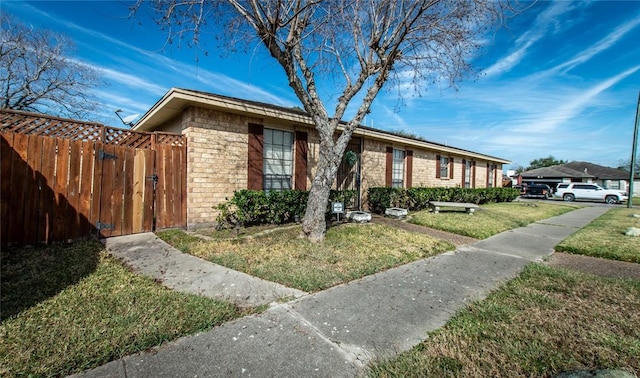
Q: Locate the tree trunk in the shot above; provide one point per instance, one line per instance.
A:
(314, 224)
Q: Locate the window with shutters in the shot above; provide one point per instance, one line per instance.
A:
(467, 173)
(397, 179)
(444, 167)
(278, 159)
(491, 177)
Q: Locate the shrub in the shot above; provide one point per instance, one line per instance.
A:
(414, 199)
(255, 207)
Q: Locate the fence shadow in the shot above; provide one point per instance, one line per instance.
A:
(33, 213)
(31, 275)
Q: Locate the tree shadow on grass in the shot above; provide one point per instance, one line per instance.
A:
(30, 275)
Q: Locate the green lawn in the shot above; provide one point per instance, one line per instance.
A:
(67, 308)
(604, 237)
(491, 219)
(282, 256)
(543, 323)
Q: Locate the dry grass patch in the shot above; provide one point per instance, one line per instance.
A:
(545, 322)
(605, 238)
(491, 219)
(350, 251)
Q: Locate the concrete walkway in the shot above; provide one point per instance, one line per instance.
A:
(336, 332)
(149, 255)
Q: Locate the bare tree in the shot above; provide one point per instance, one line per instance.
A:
(362, 45)
(36, 73)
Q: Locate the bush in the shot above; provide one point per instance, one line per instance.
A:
(255, 207)
(414, 199)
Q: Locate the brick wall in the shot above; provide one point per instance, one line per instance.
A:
(217, 161)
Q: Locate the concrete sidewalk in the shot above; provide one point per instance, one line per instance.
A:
(336, 332)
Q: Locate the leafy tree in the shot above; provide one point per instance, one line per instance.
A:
(356, 46)
(37, 75)
(545, 162)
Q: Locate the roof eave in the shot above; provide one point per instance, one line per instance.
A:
(176, 100)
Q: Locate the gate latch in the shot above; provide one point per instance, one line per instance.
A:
(154, 178)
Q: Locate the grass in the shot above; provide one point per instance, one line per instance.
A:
(67, 308)
(604, 237)
(234, 233)
(545, 322)
(491, 219)
(347, 253)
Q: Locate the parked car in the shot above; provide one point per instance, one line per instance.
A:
(536, 190)
(592, 192)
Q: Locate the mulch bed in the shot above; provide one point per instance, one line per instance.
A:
(454, 239)
(594, 265)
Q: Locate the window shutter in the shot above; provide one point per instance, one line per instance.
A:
(301, 161)
(488, 175)
(464, 172)
(437, 166)
(409, 169)
(451, 167)
(389, 167)
(255, 154)
(473, 174)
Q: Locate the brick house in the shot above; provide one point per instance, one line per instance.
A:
(235, 144)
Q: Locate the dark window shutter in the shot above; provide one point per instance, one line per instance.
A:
(451, 167)
(409, 169)
(301, 160)
(488, 175)
(473, 174)
(464, 172)
(437, 166)
(255, 154)
(389, 168)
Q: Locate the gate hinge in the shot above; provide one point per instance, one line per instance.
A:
(104, 226)
(104, 156)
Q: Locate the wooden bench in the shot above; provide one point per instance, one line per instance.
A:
(436, 205)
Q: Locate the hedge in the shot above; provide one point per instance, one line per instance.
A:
(414, 199)
(255, 207)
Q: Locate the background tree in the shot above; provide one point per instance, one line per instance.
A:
(625, 165)
(37, 75)
(545, 162)
(351, 47)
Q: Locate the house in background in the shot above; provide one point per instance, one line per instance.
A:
(579, 171)
(235, 144)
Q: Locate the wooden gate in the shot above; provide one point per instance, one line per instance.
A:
(64, 180)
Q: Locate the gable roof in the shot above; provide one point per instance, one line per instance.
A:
(577, 169)
(176, 100)
(599, 171)
(555, 171)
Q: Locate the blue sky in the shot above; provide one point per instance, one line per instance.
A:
(561, 78)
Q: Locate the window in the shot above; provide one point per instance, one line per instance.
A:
(467, 173)
(278, 159)
(613, 184)
(491, 176)
(444, 167)
(397, 178)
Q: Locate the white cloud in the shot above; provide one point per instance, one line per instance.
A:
(545, 20)
(598, 47)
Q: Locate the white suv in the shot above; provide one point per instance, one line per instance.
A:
(585, 191)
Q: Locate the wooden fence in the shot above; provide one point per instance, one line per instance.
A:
(63, 180)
